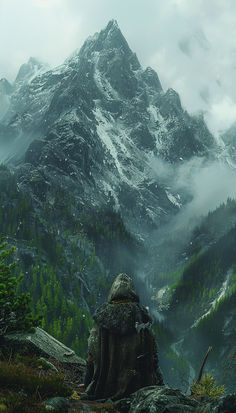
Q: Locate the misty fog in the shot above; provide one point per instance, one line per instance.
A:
(206, 183)
(198, 186)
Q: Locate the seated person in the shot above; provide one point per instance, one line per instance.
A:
(122, 345)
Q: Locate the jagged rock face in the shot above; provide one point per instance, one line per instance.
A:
(97, 120)
(229, 139)
(5, 87)
(5, 91)
(29, 70)
(229, 136)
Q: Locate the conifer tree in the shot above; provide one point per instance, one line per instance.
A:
(15, 310)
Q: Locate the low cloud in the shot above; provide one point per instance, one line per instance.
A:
(210, 185)
(205, 184)
(222, 114)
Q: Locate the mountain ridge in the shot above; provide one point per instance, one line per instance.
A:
(99, 117)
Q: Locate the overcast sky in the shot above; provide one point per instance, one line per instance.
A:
(190, 43)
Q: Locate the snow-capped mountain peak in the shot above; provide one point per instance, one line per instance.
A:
(98, 119)
(109, 38)
(30, 70)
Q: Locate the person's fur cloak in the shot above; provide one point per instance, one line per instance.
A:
(122, 344)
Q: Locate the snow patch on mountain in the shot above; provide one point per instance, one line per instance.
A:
(132, 164)
(28, 71)
(103, 129)
(110, 192)
(221, 294)
(157, 125)
(101, 81)
(173, 199)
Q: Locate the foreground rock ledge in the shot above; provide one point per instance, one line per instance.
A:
(152, 399)
(43, 344)
(156, 399)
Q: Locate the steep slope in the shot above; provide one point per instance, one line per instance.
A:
(28, 71)
(199, 304)
(5, 91)
(68, 262)
(229, 139)
(94, 123)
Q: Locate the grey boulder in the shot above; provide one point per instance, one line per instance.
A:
(164, 399)
(58, 404)
(43, 344)
(161, 399)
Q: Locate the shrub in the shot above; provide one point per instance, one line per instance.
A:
(19, 376)
(26, 382)
(208, 387)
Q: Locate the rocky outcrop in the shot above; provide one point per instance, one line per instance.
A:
(57, 404)
(43, 344)
(225, 404)
(161, 400)
(167, 400)
(6, 90)
(29, 70)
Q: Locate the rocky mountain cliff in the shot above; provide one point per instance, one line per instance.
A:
(94, 124)
(6, 90)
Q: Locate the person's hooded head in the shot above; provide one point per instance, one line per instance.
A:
(123, 289)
